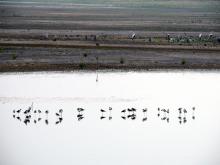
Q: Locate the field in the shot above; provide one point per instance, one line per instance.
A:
(69, 29)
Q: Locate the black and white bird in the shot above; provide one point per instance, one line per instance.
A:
(80, 110)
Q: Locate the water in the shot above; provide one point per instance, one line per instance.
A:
(113, 140)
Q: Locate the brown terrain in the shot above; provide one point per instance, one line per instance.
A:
(39, 37)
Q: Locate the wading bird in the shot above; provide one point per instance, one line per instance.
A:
(144, 119)
(80, 110)
(102, 110)
(123, 111)
(133, 36)
(145, 110)
(18, 111)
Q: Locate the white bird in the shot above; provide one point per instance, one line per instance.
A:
(133, 36)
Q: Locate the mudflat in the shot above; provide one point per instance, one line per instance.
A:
(139, 35)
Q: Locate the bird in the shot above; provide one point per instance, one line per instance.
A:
(102, 117)
(18, 111)
(180, 110)
(79, 115)
(133, 117)
(102, 110)
(163, 118)
(129, 110)
(26, 121)
(80, 118)
(110, 117)
(13, 111)
(28, 116)
(26, 111)
(39, 111)
(29, 108)
(57, 114)
(80, 109)
(130, 116)
(61, 111)
(158, 112)
(185, 111)
(133, 36)
(18, 118)
(133, 109)
(60, 119)
(110, 110)
(123, 117)
(46, 121)
(144, 119)
(168, 36)
(164, 110)
(123, 111)
(193, 116)
(46, 111)
(145, 110)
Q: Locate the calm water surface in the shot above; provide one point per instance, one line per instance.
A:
(110, 137)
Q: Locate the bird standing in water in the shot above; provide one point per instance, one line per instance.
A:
(193, 114)
(110, 113)
(46, 120)
(102, 116)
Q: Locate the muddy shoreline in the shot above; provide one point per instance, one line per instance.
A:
(29, 57)
(91, 67)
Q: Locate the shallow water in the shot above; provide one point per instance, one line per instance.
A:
(182, 139)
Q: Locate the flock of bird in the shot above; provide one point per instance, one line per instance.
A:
(163, 114)
(182, 115)
(132, 114)
(28, 115)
